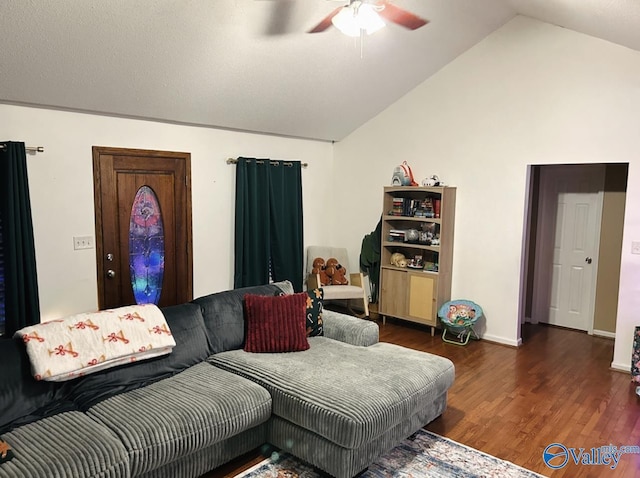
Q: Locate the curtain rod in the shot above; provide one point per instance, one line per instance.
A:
(29, 149)
(286, 163)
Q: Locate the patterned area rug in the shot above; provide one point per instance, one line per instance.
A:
(422, 455)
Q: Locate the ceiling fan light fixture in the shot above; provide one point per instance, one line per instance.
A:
(353, 19)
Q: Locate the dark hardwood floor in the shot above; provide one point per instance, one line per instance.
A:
(512, 403)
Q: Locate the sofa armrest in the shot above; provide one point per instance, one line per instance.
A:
(351, 330)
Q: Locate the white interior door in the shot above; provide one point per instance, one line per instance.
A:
(573, 266)
(570, 216)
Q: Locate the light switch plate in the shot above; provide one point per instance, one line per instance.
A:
(635, 247)
(82, 242)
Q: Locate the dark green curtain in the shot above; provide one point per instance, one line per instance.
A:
(21, 302)
(268, 222)
(251, 229)
(285, 208)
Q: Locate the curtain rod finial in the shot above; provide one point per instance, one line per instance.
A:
(28, 149)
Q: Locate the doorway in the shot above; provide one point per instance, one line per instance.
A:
(143, 227)
(573, 245)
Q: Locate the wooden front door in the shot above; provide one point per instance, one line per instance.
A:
(143, 226)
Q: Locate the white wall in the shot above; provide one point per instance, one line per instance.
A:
(61, 187)
(530, 93)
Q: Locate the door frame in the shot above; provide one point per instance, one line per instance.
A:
(187, 232)
(545, 233)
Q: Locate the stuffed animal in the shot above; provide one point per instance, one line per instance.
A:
(398, 259)
(432, 181)
(336, 271)
(319, 268)
(339, 277)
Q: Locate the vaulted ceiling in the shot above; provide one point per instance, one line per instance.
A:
(248, 64)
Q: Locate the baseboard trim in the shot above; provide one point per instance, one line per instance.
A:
(604, 333)
(496, 339)
(621, 367)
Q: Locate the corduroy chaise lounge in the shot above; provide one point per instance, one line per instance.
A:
(338, 405)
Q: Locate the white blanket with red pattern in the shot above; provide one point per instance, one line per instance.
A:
(86, 343)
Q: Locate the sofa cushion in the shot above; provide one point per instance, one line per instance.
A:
(224, 314)
(182, 414)
(21, 396)
(347, 394)
(201, 462)
(349, 329)
(285, 286)
(276, 323)
(65, 445)
(187, 326)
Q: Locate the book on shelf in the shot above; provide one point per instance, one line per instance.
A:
(397, 208)
(397, 235)
(427, 207)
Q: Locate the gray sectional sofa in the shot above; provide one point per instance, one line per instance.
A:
(338, 405)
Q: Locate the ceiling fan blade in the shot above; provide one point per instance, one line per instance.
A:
(402, 17)
(326, 22)
(280, 17)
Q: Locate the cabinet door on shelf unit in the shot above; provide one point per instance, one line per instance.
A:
(422, 297)
(393, 297)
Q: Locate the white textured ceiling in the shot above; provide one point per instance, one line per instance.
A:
(248, 64)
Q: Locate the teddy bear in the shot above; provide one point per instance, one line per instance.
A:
(337, 272)
(319, 268)
(398, 259)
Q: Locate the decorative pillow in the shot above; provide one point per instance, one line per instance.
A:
(635, 357)
(276, 323)
(314, 312)
(5, 451)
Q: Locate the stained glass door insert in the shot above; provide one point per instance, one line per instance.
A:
(146, 247)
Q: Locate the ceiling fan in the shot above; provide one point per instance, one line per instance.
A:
(365, 16)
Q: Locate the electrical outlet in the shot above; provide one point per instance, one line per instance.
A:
(82, 242)
(635, 247)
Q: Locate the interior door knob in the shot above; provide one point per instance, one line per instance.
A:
(588, 260)
(111, 273)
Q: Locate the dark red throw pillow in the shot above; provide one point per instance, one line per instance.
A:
(276, 323)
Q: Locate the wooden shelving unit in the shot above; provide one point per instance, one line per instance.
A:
(415, 294)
